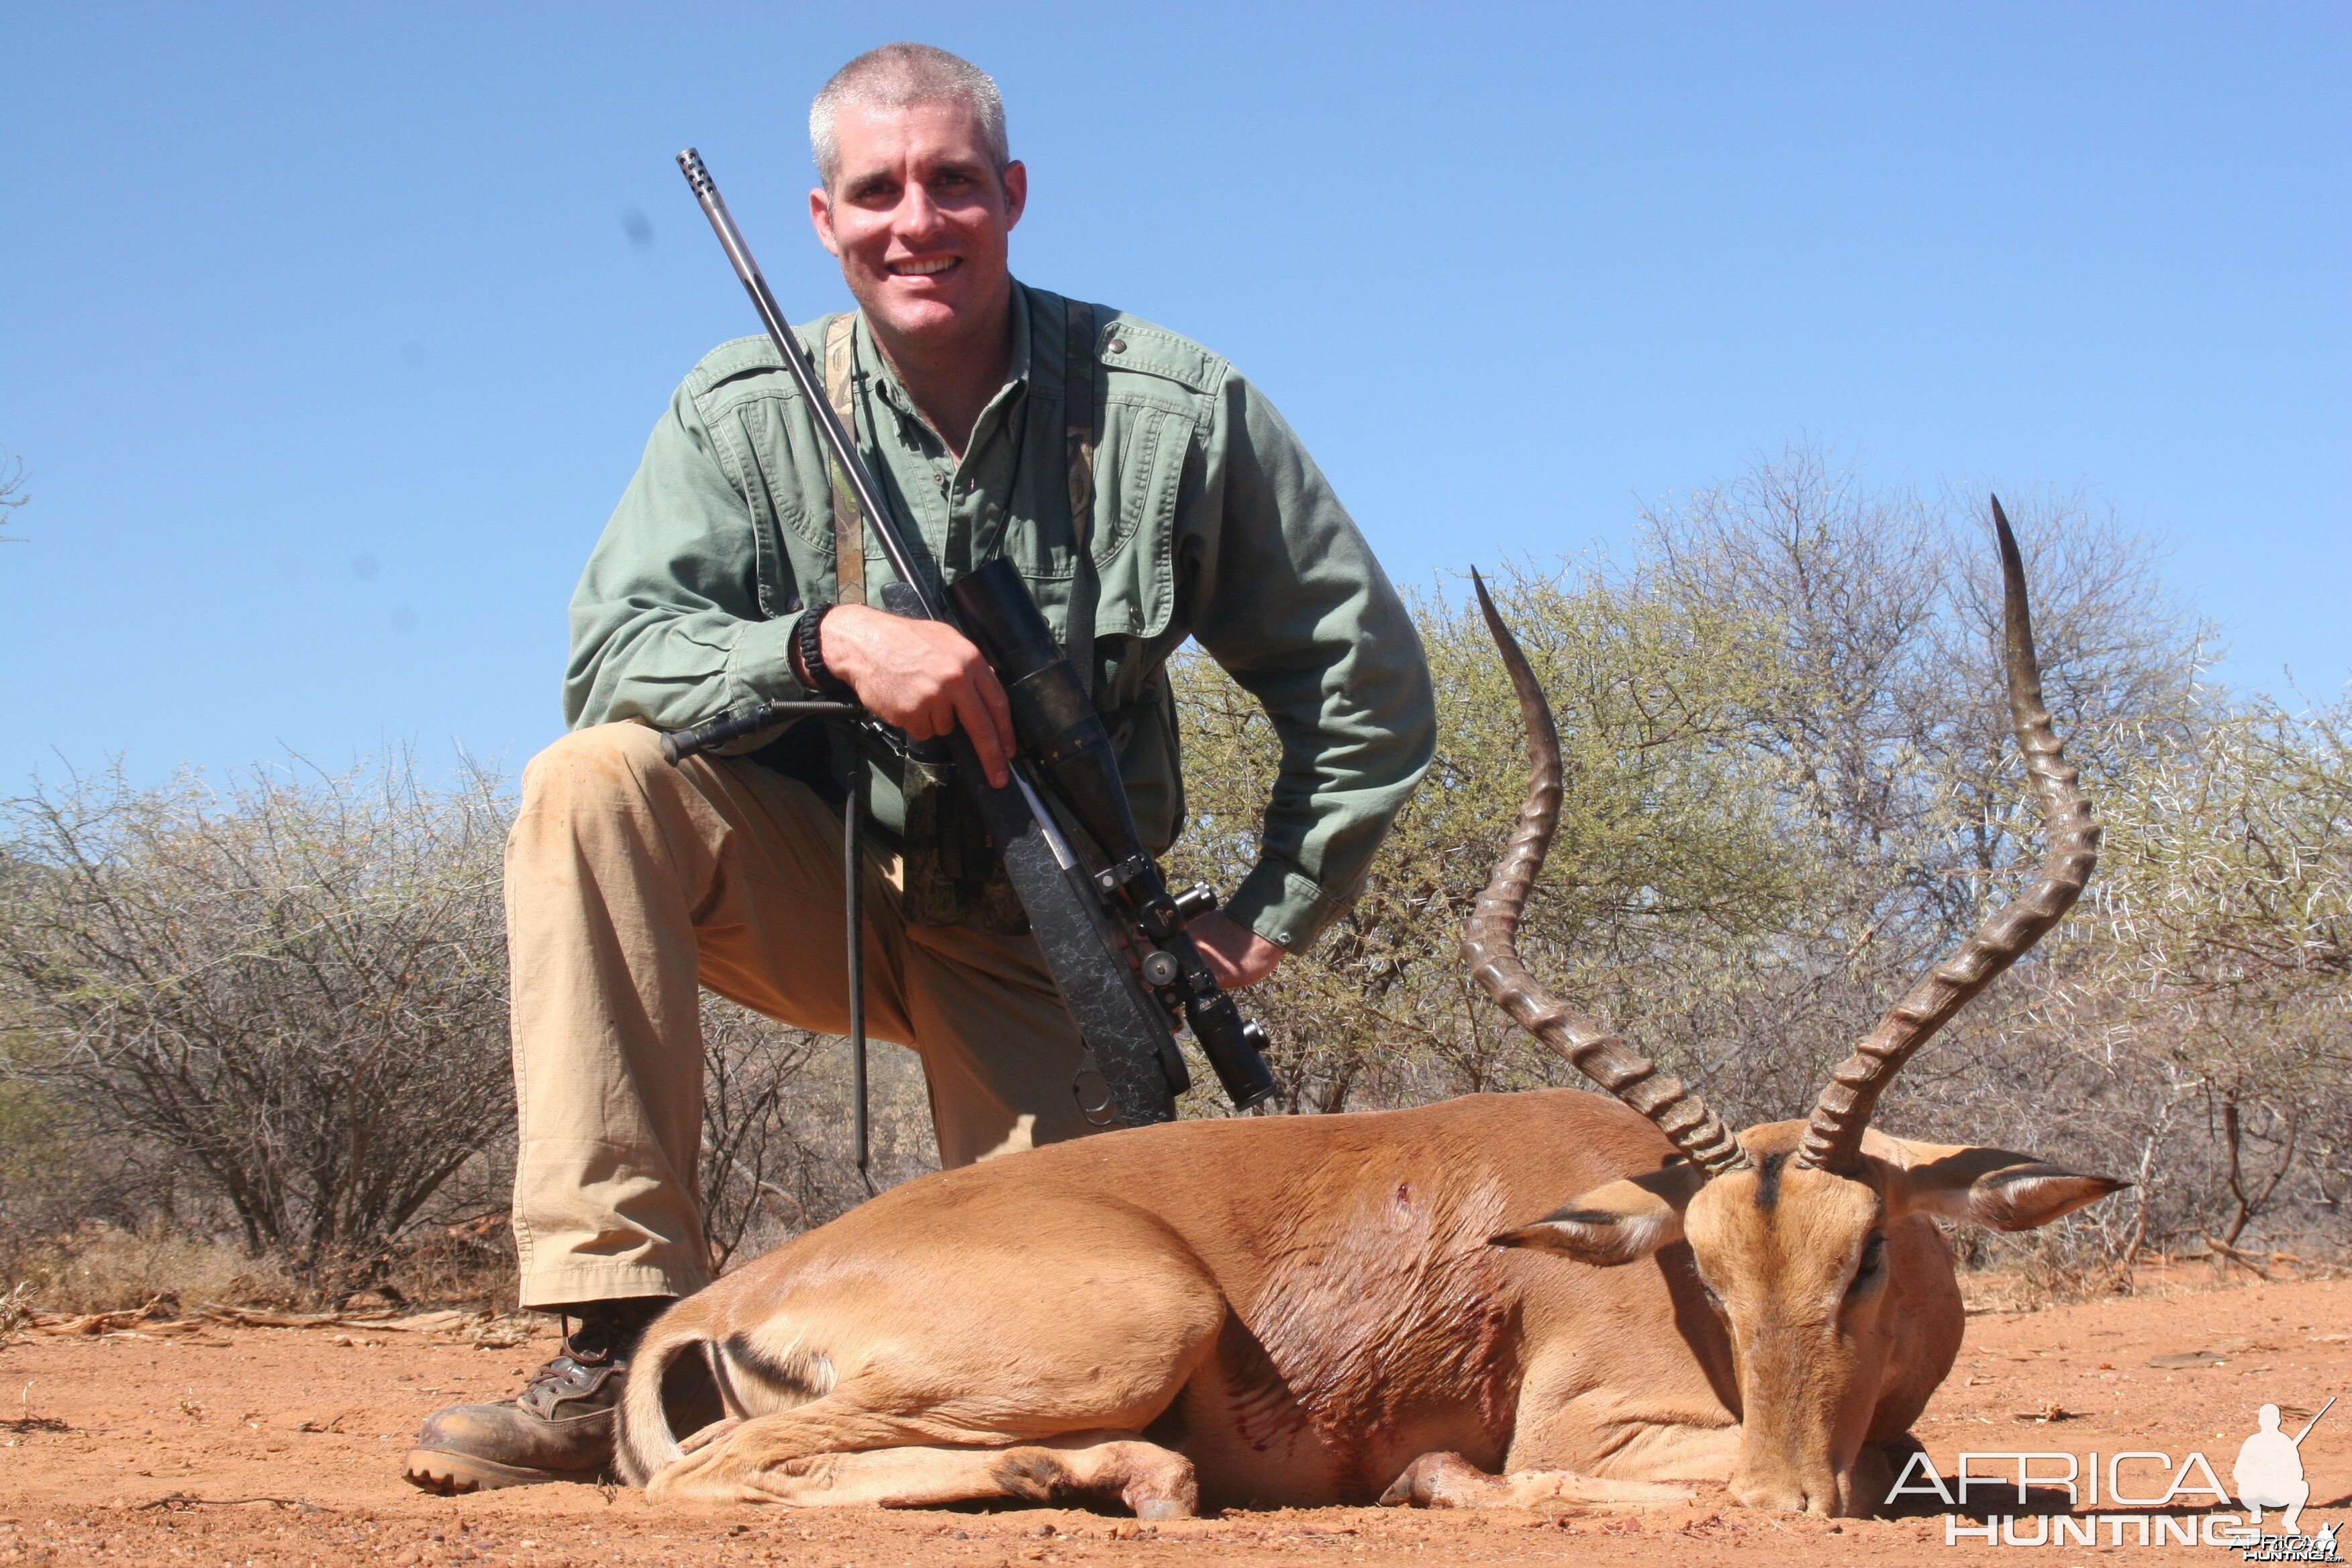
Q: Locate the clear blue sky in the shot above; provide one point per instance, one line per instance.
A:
(331, 334)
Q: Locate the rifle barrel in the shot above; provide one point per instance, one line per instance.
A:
(803, 373)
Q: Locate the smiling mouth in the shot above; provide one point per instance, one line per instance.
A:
(924, 269)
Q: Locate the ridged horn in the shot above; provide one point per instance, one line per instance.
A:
(1490, 946)
(1833, 1141)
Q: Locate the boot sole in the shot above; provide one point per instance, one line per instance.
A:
(448, 1474)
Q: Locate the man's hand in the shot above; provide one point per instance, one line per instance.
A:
(924, 677)
(1236, 955)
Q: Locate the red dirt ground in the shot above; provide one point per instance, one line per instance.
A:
(140, 1448)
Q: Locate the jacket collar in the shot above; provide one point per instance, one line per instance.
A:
(1017, 369)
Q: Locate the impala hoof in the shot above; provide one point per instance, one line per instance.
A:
(1437, 1480)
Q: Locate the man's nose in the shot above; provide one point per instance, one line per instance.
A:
(918, 218)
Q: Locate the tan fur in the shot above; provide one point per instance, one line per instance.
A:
(1449, 1480)
(1292, 1311)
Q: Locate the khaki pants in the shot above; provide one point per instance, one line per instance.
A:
(630, 885)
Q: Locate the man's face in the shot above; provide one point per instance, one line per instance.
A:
(919, 217)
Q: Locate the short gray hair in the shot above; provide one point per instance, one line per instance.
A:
(897, 75)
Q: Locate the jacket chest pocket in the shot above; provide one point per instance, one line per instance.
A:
(773, 455)
(1139, 474)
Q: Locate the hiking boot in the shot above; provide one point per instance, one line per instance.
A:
(559, 1428)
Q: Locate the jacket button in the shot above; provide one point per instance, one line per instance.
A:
(1119, 345)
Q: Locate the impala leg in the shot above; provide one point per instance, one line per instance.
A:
(1449, 1480)
(956, 1355)
(1083, 1467)
(1111, 1381)
(1875, 1466)
(1149, 1481)
(727, 1461)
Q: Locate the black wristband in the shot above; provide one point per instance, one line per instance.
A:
(808, 653)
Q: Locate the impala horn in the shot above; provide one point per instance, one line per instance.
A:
(1490, 946)
(1833, 1141)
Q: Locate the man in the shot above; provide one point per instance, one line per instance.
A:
(1115, 464)
(2269, 1471)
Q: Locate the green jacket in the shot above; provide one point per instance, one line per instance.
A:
(1211, 521)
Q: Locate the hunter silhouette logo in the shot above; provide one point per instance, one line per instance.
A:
(2269, 1472)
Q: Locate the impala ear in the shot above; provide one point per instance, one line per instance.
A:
(1621, 1223)
(1991, 1187)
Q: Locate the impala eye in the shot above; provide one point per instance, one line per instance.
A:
(1873, 1265)
(1708, 1290)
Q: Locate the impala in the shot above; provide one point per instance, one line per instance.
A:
(1396, 1305)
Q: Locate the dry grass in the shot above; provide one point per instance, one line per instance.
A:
(101, 1269)
(2037, 1284)
(471, 1265)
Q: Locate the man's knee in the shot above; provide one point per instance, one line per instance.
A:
(602, 763)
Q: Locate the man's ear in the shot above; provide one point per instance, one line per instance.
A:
(1015, 181)
(821, 219)
(1621, 1223)
(1991, 1187)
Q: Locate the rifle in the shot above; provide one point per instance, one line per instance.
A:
(1114, 938)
